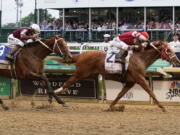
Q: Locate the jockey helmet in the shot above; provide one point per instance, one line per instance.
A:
(144, 36)
(106, 36)
(35, 27)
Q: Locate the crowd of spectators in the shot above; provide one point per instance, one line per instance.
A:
(163, 24)
(56, 24)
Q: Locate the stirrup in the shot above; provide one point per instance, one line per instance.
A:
(119, 61)
(9, 57)
(122, 77)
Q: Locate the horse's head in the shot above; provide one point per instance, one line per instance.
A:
(166, 52)
(59, 46)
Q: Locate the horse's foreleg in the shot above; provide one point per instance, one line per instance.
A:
(33, 98)
(50, 90)
(142, 82)
(3, 106)
(127, 87)
(51, 93)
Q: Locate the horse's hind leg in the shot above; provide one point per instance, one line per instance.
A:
(142, 82)
(127, 87)
(73, 79)
(3, 106)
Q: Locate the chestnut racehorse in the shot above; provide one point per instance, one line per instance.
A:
(91, 63)
(29, 62)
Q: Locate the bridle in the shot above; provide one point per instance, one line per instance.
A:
(151, 44)
(54, 46)
(164, 54)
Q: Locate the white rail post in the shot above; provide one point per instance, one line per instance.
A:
(117, 20)
(145, 18)
(63, 19)
(90, 34)
(151, 87)
(173, 18)
(101, 87)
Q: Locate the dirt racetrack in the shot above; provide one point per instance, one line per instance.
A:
(87, 119)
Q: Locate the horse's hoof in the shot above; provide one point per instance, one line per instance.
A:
(32, 104)
(108, 110)
(65, 105)
(50, 101)
(121, 108)
(111, 109)
(164, 110)
(5, 108)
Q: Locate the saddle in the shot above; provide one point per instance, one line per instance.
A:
(114, 65)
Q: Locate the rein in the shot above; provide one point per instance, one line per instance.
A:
(162, 53)
(54, 46)
(151, 44)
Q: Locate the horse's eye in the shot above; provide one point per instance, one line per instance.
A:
(168, 51)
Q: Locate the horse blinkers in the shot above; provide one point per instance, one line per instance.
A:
(169, 55)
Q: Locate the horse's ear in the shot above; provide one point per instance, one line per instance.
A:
(164, 43)
(156, 43)
(56, 36)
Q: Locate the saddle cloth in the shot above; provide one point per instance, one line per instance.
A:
(111, 66)
(4, 50)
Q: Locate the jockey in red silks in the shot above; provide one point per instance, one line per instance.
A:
(19, 37)
(128, 41)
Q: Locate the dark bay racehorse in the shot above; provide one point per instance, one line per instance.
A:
(91, 63)
(29, 62)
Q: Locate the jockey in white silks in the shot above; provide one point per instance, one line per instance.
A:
(19, 37)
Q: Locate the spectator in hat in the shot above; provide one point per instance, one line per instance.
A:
(105, 43)
(175, 44)
(106, 38)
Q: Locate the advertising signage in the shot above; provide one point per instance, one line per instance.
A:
(81, 89)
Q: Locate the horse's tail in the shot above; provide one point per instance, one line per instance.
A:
(60, 60)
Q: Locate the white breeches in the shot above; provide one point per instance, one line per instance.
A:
(14, 41)
(119, 44)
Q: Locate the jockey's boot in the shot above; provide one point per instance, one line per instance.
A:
(13, 51)
(123, 73)
(120, 57)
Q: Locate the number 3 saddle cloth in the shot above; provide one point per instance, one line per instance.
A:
(4, 50)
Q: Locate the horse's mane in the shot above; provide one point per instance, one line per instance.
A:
(27, 45)
(155, 43)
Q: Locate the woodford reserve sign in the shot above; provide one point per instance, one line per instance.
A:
(81, 89)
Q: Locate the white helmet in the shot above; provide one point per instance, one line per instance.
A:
(35, 27)
(106, 35)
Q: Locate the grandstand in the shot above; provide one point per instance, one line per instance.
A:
(86, 20)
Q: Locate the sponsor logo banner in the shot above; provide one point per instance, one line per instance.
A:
(167, 90)
(82, 89)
